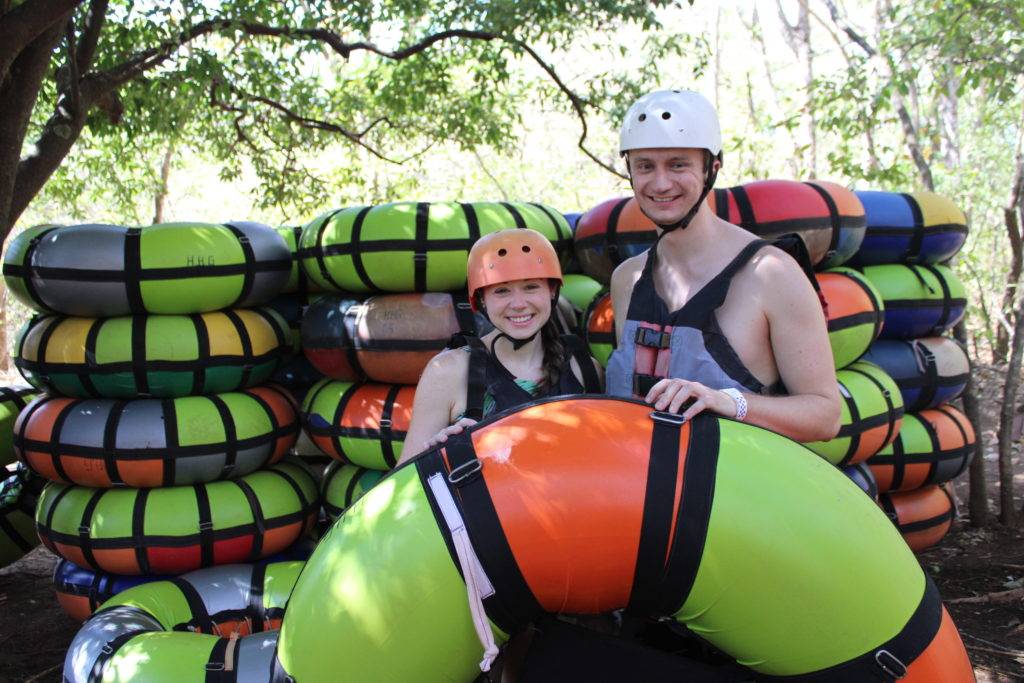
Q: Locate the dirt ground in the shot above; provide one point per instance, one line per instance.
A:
(969, 563)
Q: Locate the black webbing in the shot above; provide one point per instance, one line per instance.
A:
(305, 505)
(201, 620)
(694, 513)
(249, 275)
(168, 408)
(138, 344)
(335, 429)
(245, 340)
(357, 255)
(26, 276)
(133, 270)
(387, 445)
(12, 533)
(254, 608)
(834, 217)
(464, 313)
(218, 669)
(656, 525)
(18, 436)
(746, 209)
(722, 203)
(110, 442)
(203, 351)
(517, 217)
(257, 516)
(578, 350)
(206, 535)
(612, 232)
(933, 440)
(892, 413)
(947, 299)
(897, 462)
(887, 661)
(472, 222)
(851, 430)
(930, 369)
(302, 282)
(917, 236)
(84, 528)
(929, 523)
(350, 335)
(513, 604)
(419, 256)
(320, 254)
(230, 435)
(56, 436)
(968, 447)
(92, 338)
(350, 488)
(476, 380)
(556, 221)
(109, 649)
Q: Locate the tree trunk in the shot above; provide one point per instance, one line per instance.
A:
(977, 498)
(18, 95)
(1013, 231)
(1007, 509)
(161, 193)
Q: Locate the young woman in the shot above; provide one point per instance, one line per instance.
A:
(514, 277)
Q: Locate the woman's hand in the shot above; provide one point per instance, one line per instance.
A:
(672, 394)
(442, 436)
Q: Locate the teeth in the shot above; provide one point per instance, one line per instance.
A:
(663, 200)
(520, 318)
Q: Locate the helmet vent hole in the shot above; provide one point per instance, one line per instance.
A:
(502, 252)
(666, 115)
(526, 249)
(643, 117)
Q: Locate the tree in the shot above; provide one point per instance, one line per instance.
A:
(258, 82)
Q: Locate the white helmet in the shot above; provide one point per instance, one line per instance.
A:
(671, 118)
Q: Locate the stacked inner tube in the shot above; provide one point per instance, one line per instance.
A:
(596, 529)
(19, 492)
(371, 350)
(827, 217)
(164, 444)
(19, 488)
(593, 530)
(908, 241)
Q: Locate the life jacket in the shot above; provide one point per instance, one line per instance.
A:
(488, 377)
(689, 343)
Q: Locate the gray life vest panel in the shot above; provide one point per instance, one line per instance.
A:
(684, 344)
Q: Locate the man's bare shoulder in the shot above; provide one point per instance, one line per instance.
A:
(772, 265)
(627, 272)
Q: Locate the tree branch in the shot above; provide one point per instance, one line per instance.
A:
(18, 96)
(74, 91)
(26, 22)
(578, 105)
(95, 18)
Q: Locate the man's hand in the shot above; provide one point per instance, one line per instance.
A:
(672, 394)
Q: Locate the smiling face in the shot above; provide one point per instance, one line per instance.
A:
(518, 308)
(667, 182)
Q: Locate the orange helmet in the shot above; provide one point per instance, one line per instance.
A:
(513, 254)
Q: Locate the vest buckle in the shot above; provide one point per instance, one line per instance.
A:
(645, 336)
(890, 664)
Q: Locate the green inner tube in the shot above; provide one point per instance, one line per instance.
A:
(165, 356)
(413, 247)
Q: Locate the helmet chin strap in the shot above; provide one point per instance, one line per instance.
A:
(516, 343)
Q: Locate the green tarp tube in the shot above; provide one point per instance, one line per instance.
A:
(95, 270)
(413, 247)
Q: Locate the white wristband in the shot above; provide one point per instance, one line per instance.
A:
(740, 400)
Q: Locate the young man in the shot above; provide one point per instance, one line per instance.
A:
(712, 314)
